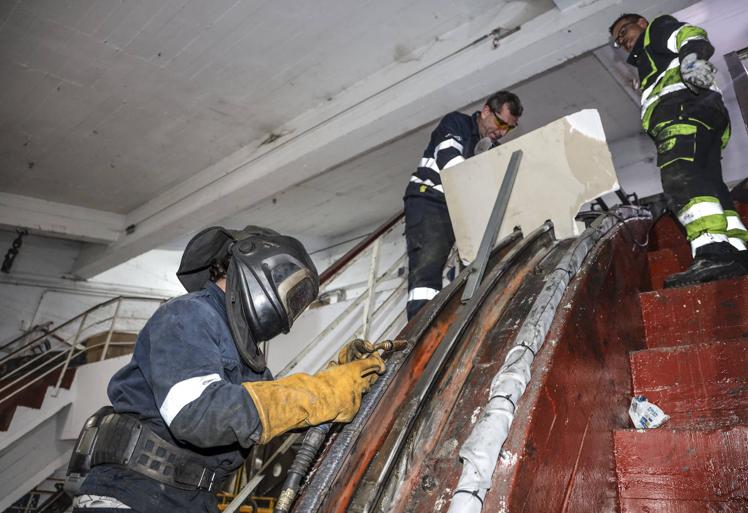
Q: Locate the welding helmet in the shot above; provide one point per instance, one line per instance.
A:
(270, 280)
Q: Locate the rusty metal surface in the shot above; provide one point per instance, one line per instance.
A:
(369, 489)
(346, 455)
(430, 468)
(437, 411)
(558, 456)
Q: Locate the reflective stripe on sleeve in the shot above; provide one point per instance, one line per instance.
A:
(449, 143)
(733, 221)
(427, 182)
(422, 293)
(183, 393)
(454, 161)
(429, 163)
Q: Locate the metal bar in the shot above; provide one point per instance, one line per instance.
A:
(343, 262)
(69, 357)
(739, 83)
(368, 498)
(111, 330)
(478, 267)
(345, 448)
(371, 293)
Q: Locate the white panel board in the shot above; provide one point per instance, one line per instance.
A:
(565, 164)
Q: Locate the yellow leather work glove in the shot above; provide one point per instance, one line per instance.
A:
(301, 400)
(355, 350)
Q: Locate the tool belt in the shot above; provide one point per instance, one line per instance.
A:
(117, 439)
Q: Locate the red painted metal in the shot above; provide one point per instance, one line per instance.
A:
(460, 395)
(691, 315)
(664, 262)
(559, 454)
(666, 233)
(359, 248)
(703, 386)
(682, 471)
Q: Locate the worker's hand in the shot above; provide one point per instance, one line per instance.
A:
(355, 350)
(301, 400)
(697, 72)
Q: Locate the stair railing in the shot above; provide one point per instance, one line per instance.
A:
(51, 360)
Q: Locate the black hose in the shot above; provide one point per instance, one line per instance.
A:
(313, 440)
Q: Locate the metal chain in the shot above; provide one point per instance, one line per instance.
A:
(13, 250)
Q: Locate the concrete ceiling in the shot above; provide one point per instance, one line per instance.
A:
(107, 104)
(129, 124)
(369, 188)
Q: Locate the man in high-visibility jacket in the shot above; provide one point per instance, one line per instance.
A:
(682, 111)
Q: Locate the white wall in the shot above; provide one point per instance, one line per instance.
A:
(38, 290)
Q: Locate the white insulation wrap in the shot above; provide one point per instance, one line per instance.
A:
(481, 450)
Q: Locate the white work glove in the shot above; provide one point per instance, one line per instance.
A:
(697, 72)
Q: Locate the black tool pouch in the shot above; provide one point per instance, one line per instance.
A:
(80, 461)
(110, 438)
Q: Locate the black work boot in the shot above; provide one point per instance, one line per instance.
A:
(717, 261)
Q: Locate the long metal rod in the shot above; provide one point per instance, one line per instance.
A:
(371, 288)
(69, 357)
(478, 267)
(436, 363)
(343, 445)
(111, 330)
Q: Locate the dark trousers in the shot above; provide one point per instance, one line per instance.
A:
(689, 132)
(688, 136)
(429, 239)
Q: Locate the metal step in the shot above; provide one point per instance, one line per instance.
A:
(664, 262)
(666, 471)
(701, 386)
(696, 314)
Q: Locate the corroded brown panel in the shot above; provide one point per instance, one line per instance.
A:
(559, 454)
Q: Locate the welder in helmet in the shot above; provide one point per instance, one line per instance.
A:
(197, 393)
(682, 111)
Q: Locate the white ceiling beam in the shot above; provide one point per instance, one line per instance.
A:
(384, 107)
(59, 219)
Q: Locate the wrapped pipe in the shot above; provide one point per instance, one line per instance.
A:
(481, 450)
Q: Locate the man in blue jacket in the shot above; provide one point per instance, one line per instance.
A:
(428, 229)
(197, 393)
(682, 111)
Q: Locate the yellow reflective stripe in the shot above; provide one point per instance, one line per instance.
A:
(687, 33)
(735, 227)
(698, 207)
(676, 129)
(703, 214)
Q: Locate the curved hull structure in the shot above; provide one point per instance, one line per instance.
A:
(602, 337)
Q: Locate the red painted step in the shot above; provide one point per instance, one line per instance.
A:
(702, 386)
(696, 314)
(666, 233)
(31, 396)
(664, 262)
(665, 471)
